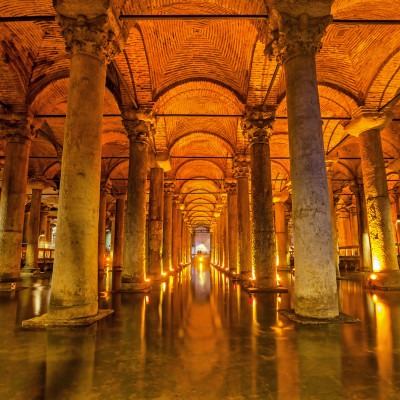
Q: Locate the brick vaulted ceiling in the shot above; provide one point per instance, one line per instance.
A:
(202, 67)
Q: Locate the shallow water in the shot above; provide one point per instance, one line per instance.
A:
(198, 336)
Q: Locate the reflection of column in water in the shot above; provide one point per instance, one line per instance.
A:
(70, 363)
(320, 358)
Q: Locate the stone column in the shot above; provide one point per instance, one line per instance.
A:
(281, 234)
(258, 128)
(335, 236)
(232, 228)
(243, 210)
(112, 220)
(44, 212)
(48, 230)
(212, 244)
(217, 235)
(26, 223)
(156, 211)
(175, 249)
(362, 228)
(295, 37)
(179, 235)
(31, 262)
(102, 228)
(367, 124)
(189, 246)
(134, 265)
(119, 232)
(222, 238)
(167, 227)
(90, 42)
(15, 129)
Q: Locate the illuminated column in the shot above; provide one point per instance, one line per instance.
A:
(212, 244)
(44, 213)
(183, 238)
(243, 210)
(329, 172)
(112, 220)
(31, 262)
(367, 124)
(178, 234)
(48, 230)
(167, 228)
(222, 238)
(134, 258)
(190, 231)
(363, 230)
(26, 224)
(295, 41)
(175, 248)
(102, 228)
(232, 228)
(156, 211)
(90, 42)
(15, 129)
(258, 128)
(119, 231)
(281, 234)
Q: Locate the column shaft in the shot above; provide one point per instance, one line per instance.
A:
(134, 265)
(178, 236)
(156, 211)
(119, 233)
(281, 234)
(167, 231)
(102, 230)
(31, 263)
(264, 247)
(174, 256)
(12, 207)
(334, 221)
(74, 283)
(244, 232)
(383, 247)
(316, 290)
(232, 230)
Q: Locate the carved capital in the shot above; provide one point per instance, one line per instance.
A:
(15, 128)
(231, 188)
(137, 130)
(169, 188)
(257, 125)
(97, 37)
(291, 36)
(241, 167)
(365, 119)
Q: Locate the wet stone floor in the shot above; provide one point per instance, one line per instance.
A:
(198, 336)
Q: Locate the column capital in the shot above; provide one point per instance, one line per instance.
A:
(105, 188)
(169, 188)
(137, 130)
(231, 188)
(98, 36)
(40, 183)
(15, 127)
(241, 167)
(176, 200)
(257, 124)
(365, 119)
(294, 32)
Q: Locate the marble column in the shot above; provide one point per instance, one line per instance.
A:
(26, 224)
(362, 228)
(222, 238)
(243, 210)
(156, 211)
(175, 241)
(119, 232)
(179, 234)
(217, 235)
(232, 228)
(329, 172)
(281, 235)
(101, 241)
(183, 238)
(300, 35)
(212, 244)
(48, 230)
(258, 128)
(189, 245)
(134, 259)
(167, 227)
(15, 129)
(112, 235)
(31, 261)
(90, 41)
(367, 124)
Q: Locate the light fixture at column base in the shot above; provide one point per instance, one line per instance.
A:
(340, 319)
(10, 286)
(44, 322)
(387, 280)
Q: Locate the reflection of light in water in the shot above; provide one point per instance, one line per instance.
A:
(37, 298)
(384, 343)
(164, 286)
(201, 275)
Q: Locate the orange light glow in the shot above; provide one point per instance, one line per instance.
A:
(147, 299)
(147, 279)
(163, 273)
(372, 276)
(278, 278)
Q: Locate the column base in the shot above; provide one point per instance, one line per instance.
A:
(30, 270)
(387, 280)
(340, 319)
(44, 322)
(134, 287)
